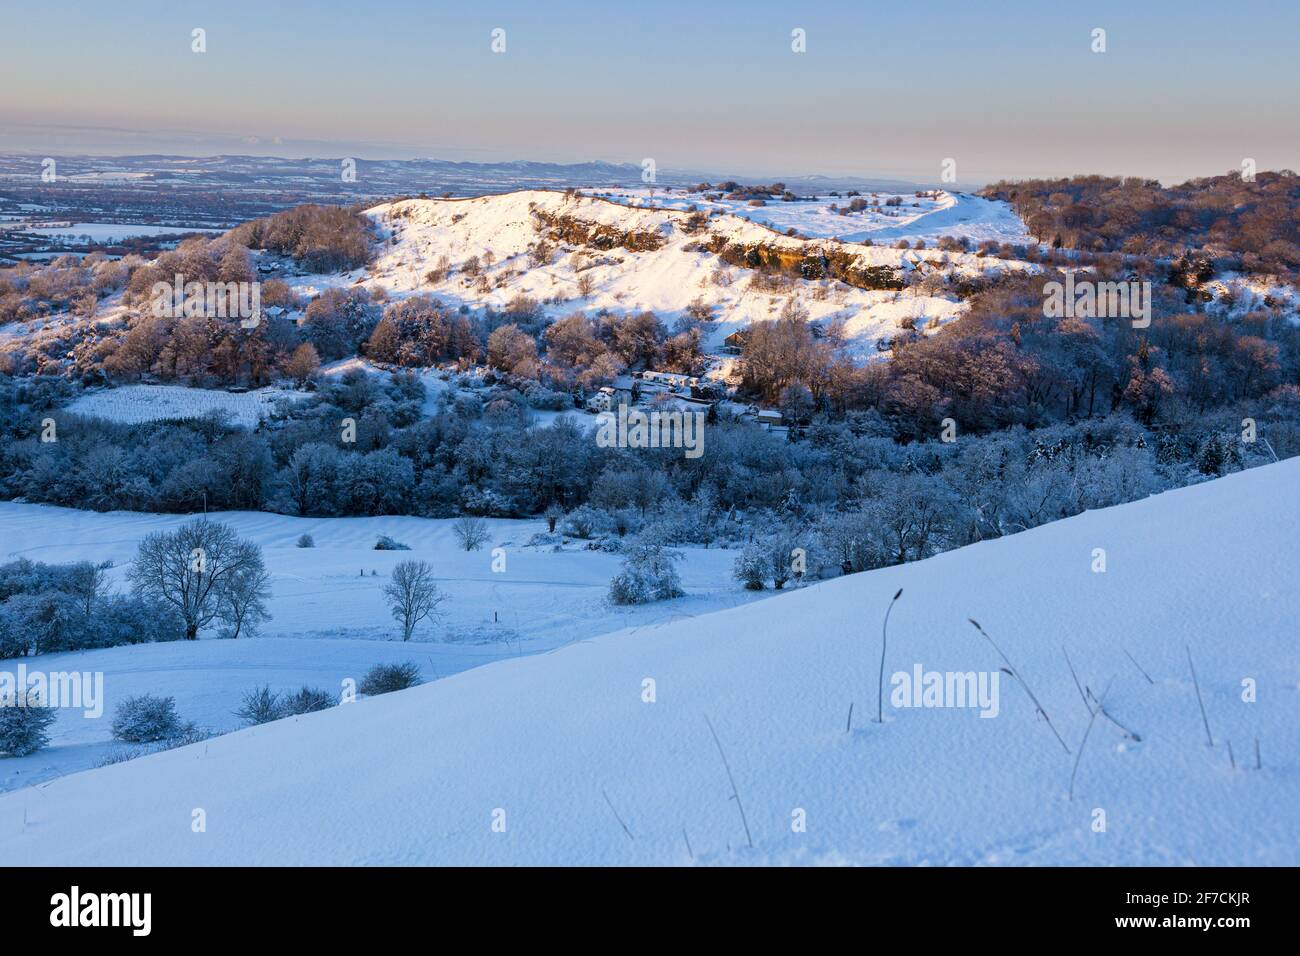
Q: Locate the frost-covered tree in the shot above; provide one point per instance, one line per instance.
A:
(780, 549)
(303, 364)
(310, 479)
(86, 583)
(913, 511)
(511, 349)
(751, 566)
(193, 568)
(412, 595)
(471, 532)
(243, 599)
(649, 573)
(852, 541)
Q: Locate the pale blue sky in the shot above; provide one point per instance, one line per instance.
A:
(887, 89)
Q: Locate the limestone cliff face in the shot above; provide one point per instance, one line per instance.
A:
(595, 235)
(797, 258)
(808, 261)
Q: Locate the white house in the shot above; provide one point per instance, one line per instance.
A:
(602, 401)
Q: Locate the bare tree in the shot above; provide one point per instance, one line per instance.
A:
(191, 568)
(471, 532)
(87, 581)
(553, 514)
(412, 595)
(243, 599)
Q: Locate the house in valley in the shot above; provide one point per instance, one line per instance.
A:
(735, 342)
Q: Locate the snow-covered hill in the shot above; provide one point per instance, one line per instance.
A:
(420, 232)
(560, 759)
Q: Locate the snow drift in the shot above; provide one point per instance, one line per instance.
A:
(562, 759)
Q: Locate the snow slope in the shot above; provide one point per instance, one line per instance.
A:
(208, 682)
(924, 218)
(562, 746)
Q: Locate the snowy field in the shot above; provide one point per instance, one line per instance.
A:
(132, 404)
(328, 619)
(105, 231)
(561, 747)
(924, 218)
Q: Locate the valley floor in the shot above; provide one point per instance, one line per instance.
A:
(328, 619)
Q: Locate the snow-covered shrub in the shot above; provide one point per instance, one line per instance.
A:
(128, 619)
(539, 396)
(14, 638)
(1127, 474)
(260, 706)
(24, 722)
(486, 501)
(696, 521)
(306, 541)
(386, 678)
(625, 521)
(147, 718)
(57, 607)
(751, 567)
(306, 701)
(41, 623)
(502, 413)
(648, 574)
(787, 557)
(585, 521)
(385, 543)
